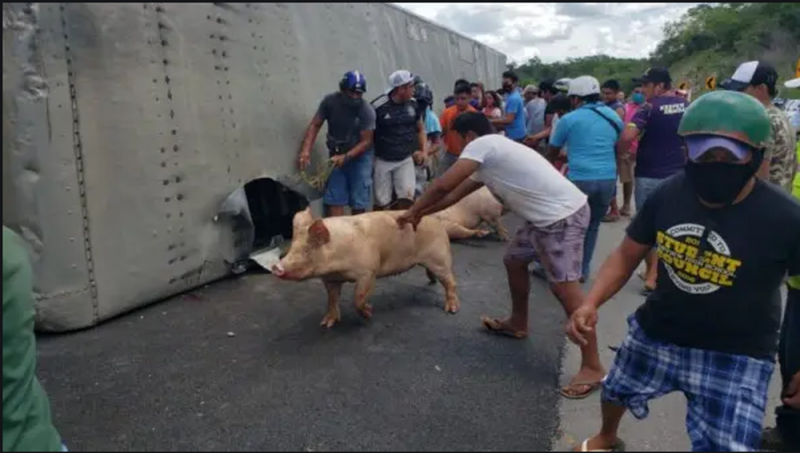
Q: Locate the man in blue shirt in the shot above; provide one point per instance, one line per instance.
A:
(513, 121)
(590, 133)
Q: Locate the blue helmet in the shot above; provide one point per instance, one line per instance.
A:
(353, 80)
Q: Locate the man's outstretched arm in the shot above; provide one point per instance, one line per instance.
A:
(436, 197)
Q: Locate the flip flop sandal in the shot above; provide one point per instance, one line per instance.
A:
(618, 446)
(593, 387)
(495, 326)
(610, 218)
(646, 291)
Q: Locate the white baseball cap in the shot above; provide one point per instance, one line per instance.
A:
(399, 78)
(583, 86)
(794, 83)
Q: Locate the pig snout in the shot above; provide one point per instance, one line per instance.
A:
(278, 270)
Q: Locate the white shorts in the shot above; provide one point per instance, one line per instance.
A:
(398, 177)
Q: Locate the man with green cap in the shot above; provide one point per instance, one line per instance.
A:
(27, 425)
(786, 435)
(710, 328)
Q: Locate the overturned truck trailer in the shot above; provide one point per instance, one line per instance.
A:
(127, 126)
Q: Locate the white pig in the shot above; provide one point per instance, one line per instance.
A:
(362, 248)
(462, 219)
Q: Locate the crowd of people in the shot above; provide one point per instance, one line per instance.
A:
(711, 182)
(692, 175)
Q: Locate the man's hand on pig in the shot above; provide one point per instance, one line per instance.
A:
(410, 216)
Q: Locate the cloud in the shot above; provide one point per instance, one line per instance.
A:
(556, 31)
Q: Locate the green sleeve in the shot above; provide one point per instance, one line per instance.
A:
(27, 425)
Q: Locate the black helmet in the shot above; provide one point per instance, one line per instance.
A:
(423, 95)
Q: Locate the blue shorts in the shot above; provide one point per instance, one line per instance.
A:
(351, 185)
(726, 394)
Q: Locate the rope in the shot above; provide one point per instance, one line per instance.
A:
(320, 177)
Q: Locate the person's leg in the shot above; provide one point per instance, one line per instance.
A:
(644, 187)
(336, 194)
(360, 183)
(383, 184)
(626, 178)
(404, 181)
(445, 162)
(519, 254)
(643, 370)
(560, 248)
(788, 418)
(726, 396)
(599, 194)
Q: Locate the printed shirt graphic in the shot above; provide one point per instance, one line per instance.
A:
(719, 275)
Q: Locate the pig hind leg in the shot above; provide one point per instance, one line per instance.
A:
(440, 264)
(456, 231)
(364, 287)
(497, 224)
(334, 292)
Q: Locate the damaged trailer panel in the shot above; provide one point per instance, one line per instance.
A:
(126, 127)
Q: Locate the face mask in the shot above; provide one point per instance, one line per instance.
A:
(638, 98)
(507, 87)
(721, 182)
(351, 103)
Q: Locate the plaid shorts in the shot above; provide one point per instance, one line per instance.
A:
(557, 247)
(726, 394)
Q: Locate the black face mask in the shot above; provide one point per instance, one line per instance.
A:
(351, 103)
(721, 182)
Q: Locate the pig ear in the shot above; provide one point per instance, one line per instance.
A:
(318, 233)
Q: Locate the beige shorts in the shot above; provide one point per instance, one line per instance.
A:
(626, 169)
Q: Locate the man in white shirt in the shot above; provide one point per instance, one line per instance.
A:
(556, 214)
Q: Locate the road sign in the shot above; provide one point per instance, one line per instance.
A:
(683, 86)
(711, 82)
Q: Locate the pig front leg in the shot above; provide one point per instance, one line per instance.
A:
(334, 292)
(364, 287)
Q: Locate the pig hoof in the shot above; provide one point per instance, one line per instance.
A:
(452, 307)
(329, 320)
(365, 311)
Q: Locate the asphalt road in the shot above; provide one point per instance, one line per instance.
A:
(169, 377)
(243, 365)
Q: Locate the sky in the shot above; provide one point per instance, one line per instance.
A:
(556, 31)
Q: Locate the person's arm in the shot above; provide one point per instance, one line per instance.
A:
(559, 138)
(422, 139)
(465, 188)
(617, 269)
(436, 191)
(763, 170)
(435, 143)
(621, 112)
(367, 132)
(509, 117)
(308, 139)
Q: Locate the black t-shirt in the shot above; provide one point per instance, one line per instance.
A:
(396, 131)
(730, 300)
